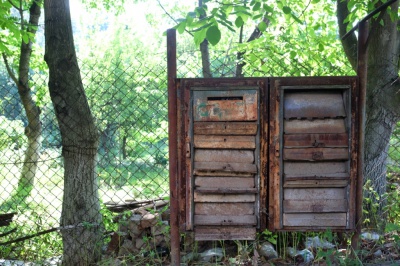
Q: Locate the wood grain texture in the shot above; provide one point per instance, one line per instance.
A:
(225, 233)
(226, 156)
(225, 167)
(316, 154)
(224, 182)
(202, 197)
(224, 142)
(316, 140)
(233, 209)
(228, 105)
(225, 128)
(314, 168)
(314, 193)
(315, 219)
(225, 220)
(314, 126)
(315, 205)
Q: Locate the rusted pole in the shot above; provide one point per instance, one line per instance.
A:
(173, 145)
(362, 75)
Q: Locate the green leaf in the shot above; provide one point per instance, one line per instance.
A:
(262, 26)
(268, 8)
(213, 35)
(199, 36)
(296, 18)
(286, 10)
(257, 6)
(181, 27)
(239, 22)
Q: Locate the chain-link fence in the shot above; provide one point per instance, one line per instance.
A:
(129, 103)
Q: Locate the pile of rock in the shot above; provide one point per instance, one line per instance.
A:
(145, 230)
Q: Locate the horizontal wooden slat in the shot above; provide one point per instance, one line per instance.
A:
(315, 183)
(314, 168)
(224, 233)
(225, 105)
(201, 197)
(314, 205)
(315, 154)
(204, 173)
(314, 193)
(314, 104)
(334, 176)
(225, 167)
(225, 128)
(225, 220)
(314, 126)
(316, 140)
(315, 219)
(237, 208)
(224, 190)
(234, 156)
(224, 182)
(224, 142)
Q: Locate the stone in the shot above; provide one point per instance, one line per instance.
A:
(316, 242)
(127, 248)
(268, 251)
(304, 256)
(148, 220)
(212, 255)
(160, 228)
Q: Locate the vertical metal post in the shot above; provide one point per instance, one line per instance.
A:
(173, 146)
(362, 75)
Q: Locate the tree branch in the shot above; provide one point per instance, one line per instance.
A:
(9, 70)
(350, 43)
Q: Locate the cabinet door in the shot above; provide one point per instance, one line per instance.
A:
(312, 154)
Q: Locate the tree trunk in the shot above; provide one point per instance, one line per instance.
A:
(80, 217)
(33, 130)
(382, 110)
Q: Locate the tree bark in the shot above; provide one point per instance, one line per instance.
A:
(33, 130)
(81, 208)
(205, 53)
(382, 112)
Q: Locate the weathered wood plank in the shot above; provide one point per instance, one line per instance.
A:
(224, 142)
(315, 140)
(204, 173)
(314, 219)
(225, 128)
(224, 233)
(334, 176)
(314, 126)
(314, 193)
(237, 208)
(227, 105)
(233, 156)
(201, 197)
(224, 190)
(316, 154)
(225, 220)
(224, 182)
(314, 168)
(315, 205)
(315, 183)
(225, 167)
(313, 104)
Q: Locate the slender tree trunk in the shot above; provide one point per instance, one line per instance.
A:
(80, 215)
(33, 130)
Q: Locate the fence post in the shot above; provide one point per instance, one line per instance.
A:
(173, 145)
(362, 61)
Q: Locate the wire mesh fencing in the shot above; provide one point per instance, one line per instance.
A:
(129, 103)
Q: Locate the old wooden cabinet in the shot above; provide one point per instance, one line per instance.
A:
(266, 152)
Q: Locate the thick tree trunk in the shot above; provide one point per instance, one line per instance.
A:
(33, 130)
(382, 106)
(81, 218)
